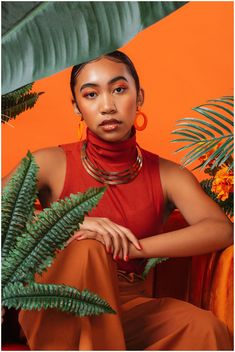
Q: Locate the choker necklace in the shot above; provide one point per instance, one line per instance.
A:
(108, 177)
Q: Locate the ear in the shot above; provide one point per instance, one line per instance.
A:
(76, 109)
(140, 97)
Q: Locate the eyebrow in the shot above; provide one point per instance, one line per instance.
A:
(113, 80)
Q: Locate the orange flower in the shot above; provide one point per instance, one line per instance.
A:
(222, 184)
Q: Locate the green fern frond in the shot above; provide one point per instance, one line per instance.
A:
(65, 298)
(206, 135)
(19, 105)
(15, 94)
(151, 263)
(36, 248)
(226, 205)
(18, 198)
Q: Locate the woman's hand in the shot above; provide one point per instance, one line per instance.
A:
(115, 238)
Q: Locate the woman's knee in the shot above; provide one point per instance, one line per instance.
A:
(90, 245)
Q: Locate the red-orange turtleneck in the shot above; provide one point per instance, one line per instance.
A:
(137, 205)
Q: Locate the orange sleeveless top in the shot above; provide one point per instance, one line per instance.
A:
(137, 205)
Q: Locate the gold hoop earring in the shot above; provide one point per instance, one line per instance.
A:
(80, 129)
(145, 121)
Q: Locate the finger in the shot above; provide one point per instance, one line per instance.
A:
(108, 244)
(132, 238)
(76, 235)
(121, 231)
(125, 247)
(111, 230)
(123, 238)
(116, 245)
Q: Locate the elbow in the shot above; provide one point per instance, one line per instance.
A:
(227, 233)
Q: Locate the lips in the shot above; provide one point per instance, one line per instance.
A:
(109, 122)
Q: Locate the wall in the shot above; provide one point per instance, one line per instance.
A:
(183, 60)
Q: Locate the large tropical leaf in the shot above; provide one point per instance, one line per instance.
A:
(202, 135)
(65, 298)
(42, 38)
(18, 198)
(36, 248)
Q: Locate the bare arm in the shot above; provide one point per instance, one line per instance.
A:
(209, 229)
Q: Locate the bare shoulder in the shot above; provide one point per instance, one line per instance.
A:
(173, 174)
(48, 155)
(51, 162)
(185, 192)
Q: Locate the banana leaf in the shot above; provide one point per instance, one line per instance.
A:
(42, 38)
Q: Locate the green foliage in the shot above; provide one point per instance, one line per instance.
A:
(151, 263)
(202, 136)
(16, 94)
(18, 101)
(36, 248)
(42, 38)
(226, 205)
(18, 198)
(65, 298)
(30, 243)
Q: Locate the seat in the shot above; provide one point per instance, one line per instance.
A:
(204, 280)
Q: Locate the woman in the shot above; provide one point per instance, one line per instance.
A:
(125, 228)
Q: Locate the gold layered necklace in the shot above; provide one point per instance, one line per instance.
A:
(109, 177)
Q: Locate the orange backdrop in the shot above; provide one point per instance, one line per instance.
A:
(183, 60)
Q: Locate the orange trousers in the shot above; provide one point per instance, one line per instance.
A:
(141, 322)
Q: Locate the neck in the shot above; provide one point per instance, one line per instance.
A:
(111, 163)
(107, 154)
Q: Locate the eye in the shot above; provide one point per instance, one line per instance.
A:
(90, 95)
(119, 89)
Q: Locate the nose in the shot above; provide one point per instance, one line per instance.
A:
(107, 104)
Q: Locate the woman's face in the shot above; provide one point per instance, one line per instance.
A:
(107, 99)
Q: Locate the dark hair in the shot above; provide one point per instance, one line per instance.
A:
(117, 56)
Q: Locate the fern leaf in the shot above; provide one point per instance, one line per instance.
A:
(225, 155)
(196, 153)
(208, 140)
(226, 205)
(16, 94)
(18, 198)
(20, 105)
(222, 108)
(205, 123)
(218, 154)
(196, 127)
(198, 134)
(224, 100)
(205, 112)
(151, 263)
(182, 132)
(36, 248)
(185, 147)
(64, 298)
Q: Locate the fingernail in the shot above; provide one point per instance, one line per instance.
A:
(117, 257)
(126, 258)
